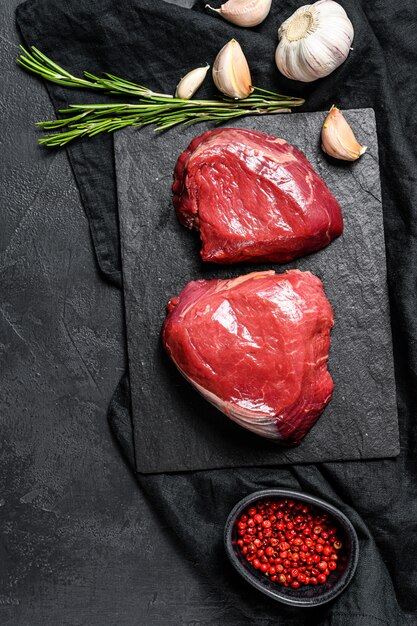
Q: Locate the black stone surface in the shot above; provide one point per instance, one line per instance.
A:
(79, 543)
(175, 429)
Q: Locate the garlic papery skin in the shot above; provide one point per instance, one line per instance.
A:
(338, 139)
(231, 72)
(192, 81)
(314, 41)
(244, 13)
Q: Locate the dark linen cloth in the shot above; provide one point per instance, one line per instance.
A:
(155, 43)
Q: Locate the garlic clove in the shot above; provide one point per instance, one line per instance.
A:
(338, 139)
(192, 81)
(245, 13)
(314, 41)
(231, 73)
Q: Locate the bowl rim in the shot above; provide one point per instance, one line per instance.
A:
(300, 495)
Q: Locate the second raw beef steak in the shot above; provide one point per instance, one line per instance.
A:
(256, 347)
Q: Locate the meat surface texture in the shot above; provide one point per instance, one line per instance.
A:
(253, 197)
(256, 347)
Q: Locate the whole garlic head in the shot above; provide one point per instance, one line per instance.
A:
(314, 41)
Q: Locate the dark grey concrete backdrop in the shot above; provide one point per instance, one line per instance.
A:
(76, 544)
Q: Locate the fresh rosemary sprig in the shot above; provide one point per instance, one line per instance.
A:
(162, 110)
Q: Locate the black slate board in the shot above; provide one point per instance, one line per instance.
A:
(175, 429)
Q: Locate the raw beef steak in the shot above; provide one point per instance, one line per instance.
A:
(256, 347)
(253, 197)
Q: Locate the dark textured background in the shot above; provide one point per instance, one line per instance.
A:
(160, 257)
(101, 559)
(77, 538)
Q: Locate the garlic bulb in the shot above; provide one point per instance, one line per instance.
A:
(231, 72)
(338, 139)
(192, 81)
(314, 41)
(244, 12)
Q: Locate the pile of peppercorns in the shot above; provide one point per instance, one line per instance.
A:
(291, 543)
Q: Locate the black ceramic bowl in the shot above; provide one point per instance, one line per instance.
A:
(304, 596)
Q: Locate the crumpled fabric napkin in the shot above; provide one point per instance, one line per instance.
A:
(155, 43)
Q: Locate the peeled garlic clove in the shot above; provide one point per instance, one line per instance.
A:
(192, 81)
(245, 13)
(314, 41)
(231, 72)
(338, 139)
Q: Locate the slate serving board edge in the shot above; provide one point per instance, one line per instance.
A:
(143, 179)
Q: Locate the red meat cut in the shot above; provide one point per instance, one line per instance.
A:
(253, 197)
(256, 347)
